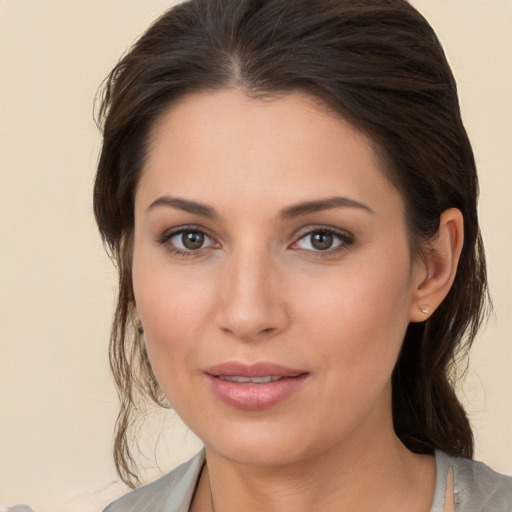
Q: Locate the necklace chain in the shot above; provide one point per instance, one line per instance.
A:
(211, 493)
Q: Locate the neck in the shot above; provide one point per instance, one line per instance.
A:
(377, 473)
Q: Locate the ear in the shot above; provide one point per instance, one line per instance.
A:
(435, 271)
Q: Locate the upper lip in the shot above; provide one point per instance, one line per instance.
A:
(260, 369)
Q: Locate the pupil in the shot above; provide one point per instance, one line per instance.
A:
(322, 241)
(192, 239)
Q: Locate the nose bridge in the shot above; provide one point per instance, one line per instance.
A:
(251, 304)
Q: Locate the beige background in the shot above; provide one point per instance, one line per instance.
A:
(57, 403)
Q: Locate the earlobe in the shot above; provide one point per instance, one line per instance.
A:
(439, 266)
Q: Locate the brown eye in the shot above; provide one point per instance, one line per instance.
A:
(187, 240)
(322, 240)
(192, 240)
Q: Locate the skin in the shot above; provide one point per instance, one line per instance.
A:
(258, 290)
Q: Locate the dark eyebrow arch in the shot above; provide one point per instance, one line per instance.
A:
(306, 207)
(184, 204)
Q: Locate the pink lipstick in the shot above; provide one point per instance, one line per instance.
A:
(254, 386)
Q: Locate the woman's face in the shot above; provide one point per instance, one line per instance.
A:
(272, 274)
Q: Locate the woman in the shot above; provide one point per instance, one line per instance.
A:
(290, 196)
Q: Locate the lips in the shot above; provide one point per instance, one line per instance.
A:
(255, 386)
(249, 380)
(262, 369)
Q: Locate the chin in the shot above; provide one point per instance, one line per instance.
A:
(268, 444)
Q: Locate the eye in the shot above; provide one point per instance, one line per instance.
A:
(322, 240)
(184, 241)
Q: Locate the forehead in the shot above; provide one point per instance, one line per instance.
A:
(225, 145)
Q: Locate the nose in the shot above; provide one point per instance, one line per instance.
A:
(252, 302)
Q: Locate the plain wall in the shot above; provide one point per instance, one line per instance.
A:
(57, 401)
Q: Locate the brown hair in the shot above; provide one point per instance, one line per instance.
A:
(379, 65)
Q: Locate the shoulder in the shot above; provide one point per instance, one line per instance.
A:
(479, 488)
(170, 493)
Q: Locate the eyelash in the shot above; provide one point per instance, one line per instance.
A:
(345, 240)
(165, 240)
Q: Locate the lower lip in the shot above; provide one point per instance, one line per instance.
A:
(253, 396)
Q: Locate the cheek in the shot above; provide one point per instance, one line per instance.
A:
(174, 306)
(173, 312)
(357, 331)
(359, 318)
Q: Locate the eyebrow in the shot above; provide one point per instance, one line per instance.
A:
(306, 207)
(184, 204)
(296, 210)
